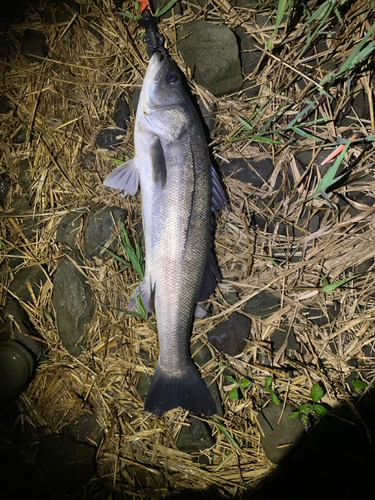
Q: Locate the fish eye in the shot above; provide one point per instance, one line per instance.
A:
(172, 77)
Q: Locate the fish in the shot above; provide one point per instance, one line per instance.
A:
(180, 190)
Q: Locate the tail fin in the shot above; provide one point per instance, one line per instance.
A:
(170, 390)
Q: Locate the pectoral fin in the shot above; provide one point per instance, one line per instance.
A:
(219, 199)
(159, 167)
(124, 177)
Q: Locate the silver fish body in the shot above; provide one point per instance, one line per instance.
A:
(179, 191)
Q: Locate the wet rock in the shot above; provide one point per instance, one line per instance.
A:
(34, 45)
(231, 297)
(248, 170)
(211, 52)
(322, 317)
(230, 336)
(24, 180)
(73, 302)
(288, 431)
(100, 228)
(249, 59)
(16, 325)
(4, 187)
(64, 465)
(196, 437)
(5, 106)
(263, 304)
(68, 230)
(85, 430)
(279, 336)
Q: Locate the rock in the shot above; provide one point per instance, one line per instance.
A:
(5, 106)
(64, 465)
(20, 135)
(4, 187)
(211, 52)
(89, 160)
(249, 60)
(99, 229)
(321, 317)
(34, 45)
(16, 325)
(201, 355)
(248, 170)
(73, 302)
(24, 180)
(230, 336)
(28, 276)
(60, 11)
(85, 430)
(110, 138)
(122, 112)
(363, 267)
(263, 304)
(196, 437)
(144, 383)
(68, 230)
(288, 431)
(279, 336)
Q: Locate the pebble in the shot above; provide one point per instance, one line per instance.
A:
(263, 304)
(230, 336)
(34, 45)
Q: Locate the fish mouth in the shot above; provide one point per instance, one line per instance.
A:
(155, 64)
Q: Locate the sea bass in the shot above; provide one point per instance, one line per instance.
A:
(180, 189)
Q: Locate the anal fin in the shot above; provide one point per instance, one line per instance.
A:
(143, 291)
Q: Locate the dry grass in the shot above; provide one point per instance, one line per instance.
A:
(61, 100)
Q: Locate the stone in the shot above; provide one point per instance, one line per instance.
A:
(122, 112)
(230, 336)
(24, 180)
(263, 304)
(196, 437)
(288, 431)
(34, 45)
(248, 170)
(249, 60)
(211, 52)
(64, 464)
(110, 138)
(99, 229)
(4, 187)
(144, 383)
(85, 430)
(20, 135)
(16, 325)
(73, 302)
(5, 106)
(25, 277)
(60, 11)
(89, 160)
(280, 334)
(322, 317)
(68, 230)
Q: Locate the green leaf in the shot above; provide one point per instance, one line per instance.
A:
(226, 433)
(294, 414)
(234, 393)
(334, 285)
(161, 10)
(320, 410)
(268, 381)
(305, 408)
(229, 377)
(274, 398)
(316, 392)
(359, 384)
(245, 383)
(330, 176)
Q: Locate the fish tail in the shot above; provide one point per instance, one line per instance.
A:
(187, 389)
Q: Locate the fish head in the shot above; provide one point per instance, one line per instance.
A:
(164, 107)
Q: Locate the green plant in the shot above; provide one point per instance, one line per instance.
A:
(359, 384)
(305, 409)
(268, 388)
(133, 253)
(236, 392)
